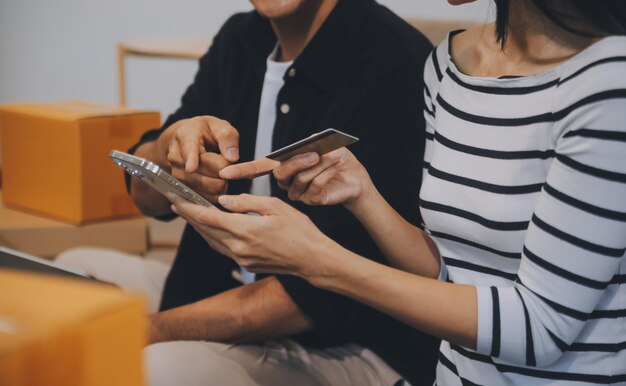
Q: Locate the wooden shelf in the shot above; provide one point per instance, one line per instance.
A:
(175, 48)
(194, 48)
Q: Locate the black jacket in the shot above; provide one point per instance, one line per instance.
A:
(362, 74)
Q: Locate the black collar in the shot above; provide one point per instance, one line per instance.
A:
(326, 57)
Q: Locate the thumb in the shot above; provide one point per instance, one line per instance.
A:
(245, 203)
(225, 136)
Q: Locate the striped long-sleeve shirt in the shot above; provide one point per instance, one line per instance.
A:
(524, 193)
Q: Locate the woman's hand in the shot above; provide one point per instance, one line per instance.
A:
(335, 178)
(279, 239)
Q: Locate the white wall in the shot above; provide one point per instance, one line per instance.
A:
(61, 49)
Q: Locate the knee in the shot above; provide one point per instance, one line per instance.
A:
(191, 364)
(166, 366)
(74, 257)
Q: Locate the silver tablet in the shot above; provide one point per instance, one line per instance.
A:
(157, 178)
(12, 259)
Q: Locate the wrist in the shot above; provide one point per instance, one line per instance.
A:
(336, 265)
(363, 200)
(155, 332)
(326, 256)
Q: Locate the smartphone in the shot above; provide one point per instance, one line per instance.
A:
(320, 143)
(155, 176)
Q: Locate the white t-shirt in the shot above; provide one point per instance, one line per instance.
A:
(272, 84)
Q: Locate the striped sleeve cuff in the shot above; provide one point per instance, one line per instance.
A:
(484, 338)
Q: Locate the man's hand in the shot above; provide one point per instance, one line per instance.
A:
(186, 140)
(188, 146)
(194, 151)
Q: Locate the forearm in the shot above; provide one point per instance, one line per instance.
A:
(406, 247)
(148, 200)
(255, 312)
(444, 310)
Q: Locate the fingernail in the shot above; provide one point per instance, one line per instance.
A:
(226, 173)
(170, 196)
(174, 209)
(310, 158)
(225, 200)
(232, 152)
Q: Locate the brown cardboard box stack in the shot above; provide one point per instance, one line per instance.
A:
(59, 187)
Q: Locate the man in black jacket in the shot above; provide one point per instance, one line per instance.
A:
(273, 76)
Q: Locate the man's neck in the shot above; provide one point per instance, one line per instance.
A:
(296, 30)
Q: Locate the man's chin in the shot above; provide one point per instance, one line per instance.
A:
(277, 9)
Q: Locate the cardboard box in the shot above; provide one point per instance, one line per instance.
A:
(59, 331)
(55, 158)
(47, 238)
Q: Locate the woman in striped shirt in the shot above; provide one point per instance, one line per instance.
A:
(523, 201)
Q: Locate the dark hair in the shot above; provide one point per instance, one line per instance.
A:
(598, 18)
